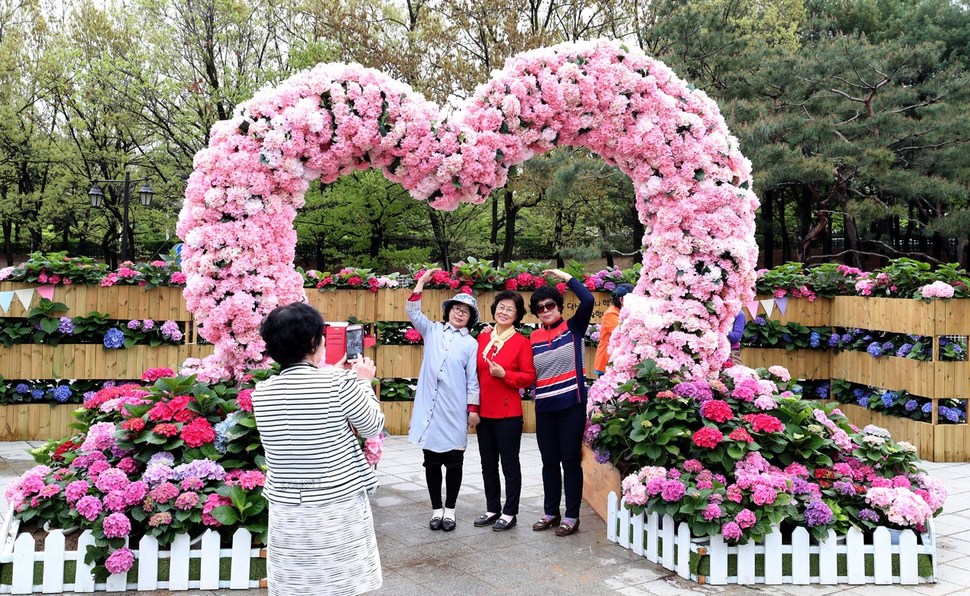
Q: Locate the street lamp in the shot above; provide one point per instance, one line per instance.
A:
(96, 195)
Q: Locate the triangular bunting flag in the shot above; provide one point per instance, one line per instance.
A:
(769, 305)
(782, 304)
(5, 299)
(753, 308)
(25, 297)
(46, 292)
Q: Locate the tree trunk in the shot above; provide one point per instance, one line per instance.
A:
(638, 232)
(511, 215)
(440, 238)
(493, 233)
(851, 243)
(8, 241)
(767, 229)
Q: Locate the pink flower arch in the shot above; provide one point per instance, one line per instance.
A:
(693, 188)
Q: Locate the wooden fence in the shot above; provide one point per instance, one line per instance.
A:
(28, 421)
(889, 557)
(934, 379)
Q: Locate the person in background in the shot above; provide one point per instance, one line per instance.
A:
(446, 397)
(611, 318)
(560, 402)
(321, 531)
(504, 367)
(734, 336)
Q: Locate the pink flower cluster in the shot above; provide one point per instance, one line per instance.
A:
(937, 289)
(692, 184)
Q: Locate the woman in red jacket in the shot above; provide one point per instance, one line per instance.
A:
(504, 367)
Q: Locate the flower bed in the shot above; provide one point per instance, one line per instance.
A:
(882, 557)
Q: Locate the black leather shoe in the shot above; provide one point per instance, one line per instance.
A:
(486, 520)
(448, 524)
(435, 523)
(501, 525)
(545, 524)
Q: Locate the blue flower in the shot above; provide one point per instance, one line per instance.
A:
(760, 321)
(786, 338)
(904, 350)
(22, 388)
(822, 391)
(875, 349)
(888, 399)
(887, 346)
(951, 414)
(863, 401)
(814, 339)
(834, 340)
(927, 407)
(66, 326)
(911, 405)
(114, 338)
(39, 394)
(62, 393)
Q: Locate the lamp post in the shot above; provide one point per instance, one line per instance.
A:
(96, 195)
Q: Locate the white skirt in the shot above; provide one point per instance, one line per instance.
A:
(323, 549)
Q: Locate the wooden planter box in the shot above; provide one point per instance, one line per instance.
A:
(887, 372)
(395, 362)
(935, 442)
(91, 361)
(847, 559)
(340, 305)
(811, 313)
(118, 302)
(952, 317)
(802, 364)
(599, 481)
(36, 422)
(204, 566)
(898, 315)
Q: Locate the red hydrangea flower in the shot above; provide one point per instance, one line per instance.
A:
(153, 374)
(166, 430)
(134, 425)
(717, 410)
(764, 423)
(160, 412)
(354, 281)
(373, 284)
(739, 434)
(245, 400)
(707, 437)
(412, 336)
(511, 284)
(198, 433)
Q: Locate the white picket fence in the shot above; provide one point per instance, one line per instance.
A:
(20, 552)
(671, 545)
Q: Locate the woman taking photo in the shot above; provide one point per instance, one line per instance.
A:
(321, 532)
(504, 367)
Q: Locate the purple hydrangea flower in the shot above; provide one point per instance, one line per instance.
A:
(875, 349)
(134, 325)
(114, 339)
(818, 514)
(66, 326)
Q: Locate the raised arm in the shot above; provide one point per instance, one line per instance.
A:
(413, 307)
(579, 321)
(358, 400)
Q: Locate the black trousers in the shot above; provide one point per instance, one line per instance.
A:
(501, 438)
(452, 461)
(560, 438)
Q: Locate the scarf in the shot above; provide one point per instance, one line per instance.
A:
(498, 341)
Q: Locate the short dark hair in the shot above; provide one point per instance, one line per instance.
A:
(542, 294)
(621, 290)
(514, 297)
(291, 332)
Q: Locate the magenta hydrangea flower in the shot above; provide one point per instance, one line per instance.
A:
(746, 518)
(162, 518)
(75, 491)
(135, 492)
(164, 492)
(731, 531)
(673, 490)
(192, 483)
(120, 561)
(116, 525)
(187, 500)
(88, 507)
(111, 479)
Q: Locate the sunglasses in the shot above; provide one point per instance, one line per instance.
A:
(546, 306)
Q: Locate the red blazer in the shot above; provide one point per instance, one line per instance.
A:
(500, 397)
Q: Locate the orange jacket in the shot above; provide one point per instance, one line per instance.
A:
(611, 318)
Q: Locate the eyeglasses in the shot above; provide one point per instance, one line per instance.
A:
(546, 306)
(461, 311)
(508, 309)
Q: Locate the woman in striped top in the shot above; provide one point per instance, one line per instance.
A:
(321, 531)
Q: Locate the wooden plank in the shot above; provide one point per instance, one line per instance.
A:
(883, 557)
(209, 574)
(855, 556)
(773, 559)
(178, 575)
(667, 549)
(718, 553)
(653, 537)
(683, 550)
(800, 556)
(828, 560)
(908, 558)
(83, 576)
(239, 570)
(637, 522)
(148, 563)
(53, 581)
(746, 569)
(23, 565)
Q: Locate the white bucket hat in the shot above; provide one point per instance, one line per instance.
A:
(466, 299)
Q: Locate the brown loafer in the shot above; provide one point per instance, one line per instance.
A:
(567, 530)
(545, 524)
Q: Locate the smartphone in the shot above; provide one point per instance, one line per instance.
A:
(355, 341)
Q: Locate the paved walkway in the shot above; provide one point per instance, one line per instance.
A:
(478, 561)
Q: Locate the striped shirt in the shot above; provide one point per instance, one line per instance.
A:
(558, 352)
(302, 416)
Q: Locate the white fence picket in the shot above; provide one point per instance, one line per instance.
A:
(54, 563)
(178, 573)
(855, 556)
(800, 556)
(83, 578)
(773, 557)
(883, 556)
(637, 523)
(683, 550)
(653, 536)
(624, 529)
(209, 574)
(746, 552)
(612, 503)
(667, 532)
(241, 545)
(718, 553)
(23, 565)
(908, 559)
(148, 563)
(828, 559)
